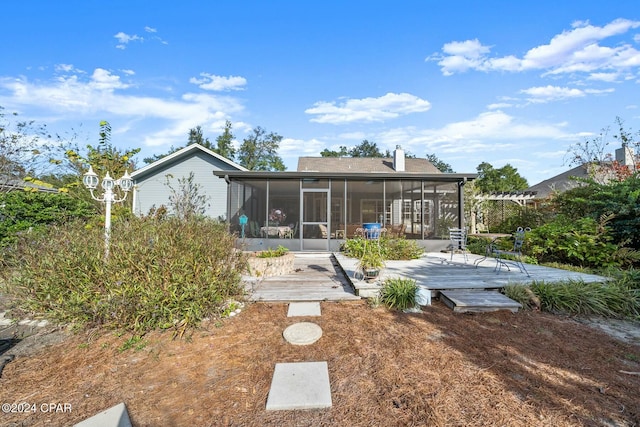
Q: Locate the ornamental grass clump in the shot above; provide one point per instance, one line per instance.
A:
(160, 273)
(399, 294)
(576, 297)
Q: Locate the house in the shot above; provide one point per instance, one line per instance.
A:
(559, 183)
(600, 171)
(153, 183)
(11, 184)
(327, 199)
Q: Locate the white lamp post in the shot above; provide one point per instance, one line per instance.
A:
(90, 180)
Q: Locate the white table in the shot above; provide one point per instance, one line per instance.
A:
(273, 230)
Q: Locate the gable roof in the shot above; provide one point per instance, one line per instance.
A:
(363, 165)
(180, 154)
(560, 183)
(11, 184)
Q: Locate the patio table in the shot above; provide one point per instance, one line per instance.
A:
(272, 230)
(491, 239)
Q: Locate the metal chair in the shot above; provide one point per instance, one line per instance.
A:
(515, 253)
(458, 239)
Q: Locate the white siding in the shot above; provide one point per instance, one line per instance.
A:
(152, 189)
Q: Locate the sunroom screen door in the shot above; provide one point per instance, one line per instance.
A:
(315, 226)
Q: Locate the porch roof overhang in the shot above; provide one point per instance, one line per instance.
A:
(437, 177)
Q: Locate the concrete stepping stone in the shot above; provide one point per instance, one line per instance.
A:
(302, 385)
(302, 333)
(116, 416)
(304, 309)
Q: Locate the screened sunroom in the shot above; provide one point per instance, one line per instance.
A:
(317, 211)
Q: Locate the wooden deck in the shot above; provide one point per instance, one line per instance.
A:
(329, 277)
(436, 271)
(317, 277)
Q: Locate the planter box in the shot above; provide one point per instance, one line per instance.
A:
(267, 267)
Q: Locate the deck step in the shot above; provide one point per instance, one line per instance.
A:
(466, 301)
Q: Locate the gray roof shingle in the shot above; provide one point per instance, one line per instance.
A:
(363, 165)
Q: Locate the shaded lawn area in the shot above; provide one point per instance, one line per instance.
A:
(385, 368)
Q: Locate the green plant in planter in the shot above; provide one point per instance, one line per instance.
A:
(273, 253)
(371, 263)
(399, 294)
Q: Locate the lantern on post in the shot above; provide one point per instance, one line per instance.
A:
(90, 180)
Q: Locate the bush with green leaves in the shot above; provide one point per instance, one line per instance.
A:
(401, 249)
(583, 242)
(159, 273)
(391, 249)
(273, 253)
(399, 293)
(620, 198)
(22, 211)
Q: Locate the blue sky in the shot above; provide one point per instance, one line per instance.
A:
(471, 81)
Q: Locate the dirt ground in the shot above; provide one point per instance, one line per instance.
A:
(386, 369)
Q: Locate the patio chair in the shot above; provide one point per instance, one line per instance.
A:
(293, 230)
(324, 232)
(458, 239)
(482, 228)
(515, 253)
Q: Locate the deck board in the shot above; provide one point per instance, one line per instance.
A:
(477, 301)
(317, 277)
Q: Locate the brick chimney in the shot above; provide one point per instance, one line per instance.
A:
(398, 159)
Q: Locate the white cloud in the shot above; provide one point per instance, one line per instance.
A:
(604, 77)
(290, 147)
(543, 94)
(65, 68)
(103, 94)
(489, 132)
(379, 109)
(219, 83)
(576, 50)
(499, 106)
(124, 39)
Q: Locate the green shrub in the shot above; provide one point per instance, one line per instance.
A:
(159, 274)
(353, 247)
(21, 211)
(273, 253)
(595, 200)
(401, 249)
(398, 293)
(581, 242)
(391, 249)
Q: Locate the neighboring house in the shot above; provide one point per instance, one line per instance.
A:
(559, 183)
(150, 182)
(327, 199)
(12, 184)
(602, 172)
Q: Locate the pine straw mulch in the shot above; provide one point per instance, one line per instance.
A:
(386, 369)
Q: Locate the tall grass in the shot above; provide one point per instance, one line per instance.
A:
(399, 294)
(159, 274)
(576, 297)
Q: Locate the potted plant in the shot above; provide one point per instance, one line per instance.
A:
(370, 264)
